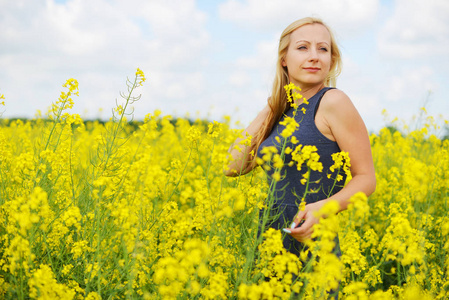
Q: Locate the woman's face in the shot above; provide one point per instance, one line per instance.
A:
(308, 57)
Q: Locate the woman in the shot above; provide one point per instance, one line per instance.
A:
(309, 58)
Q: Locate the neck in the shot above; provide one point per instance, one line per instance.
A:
(309, 92)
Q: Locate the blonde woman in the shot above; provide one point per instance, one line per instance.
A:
(309, 57)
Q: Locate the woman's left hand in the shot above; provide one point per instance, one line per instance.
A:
(304, 232)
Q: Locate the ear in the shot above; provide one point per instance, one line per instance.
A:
(283, 63)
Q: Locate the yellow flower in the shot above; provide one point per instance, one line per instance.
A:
(293, 94)
(141, 215)
(214, 129)
(309, 155)
(93, 296)
(290, 126)
(43, 285)
(140, 77)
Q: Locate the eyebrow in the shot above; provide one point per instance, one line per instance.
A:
(304, 41)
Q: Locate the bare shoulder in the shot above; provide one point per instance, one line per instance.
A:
(337, 105)
(335, 98)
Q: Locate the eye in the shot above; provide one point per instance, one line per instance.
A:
(323, 49)
(302, 48)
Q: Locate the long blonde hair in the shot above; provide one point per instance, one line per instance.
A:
(278, 101)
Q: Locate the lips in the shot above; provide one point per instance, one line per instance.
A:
(312, 69)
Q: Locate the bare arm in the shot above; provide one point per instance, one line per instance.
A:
(349, 131)
(241, 160)
(351, 135)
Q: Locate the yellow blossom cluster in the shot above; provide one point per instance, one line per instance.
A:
(142, 210)
(290, 126)
(140, 77)
(309, 155)
(295, 98)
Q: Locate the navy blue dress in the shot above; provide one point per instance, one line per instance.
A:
(289, 190)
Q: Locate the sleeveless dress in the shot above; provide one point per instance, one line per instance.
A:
(288, 191)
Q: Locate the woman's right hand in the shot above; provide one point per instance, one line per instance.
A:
(302, 227)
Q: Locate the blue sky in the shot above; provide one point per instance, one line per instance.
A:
(209, 59)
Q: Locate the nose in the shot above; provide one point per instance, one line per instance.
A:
(313, 54)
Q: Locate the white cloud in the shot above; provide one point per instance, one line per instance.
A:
(416, 29)
(358, 82)
(239, 79)
(260, 64)
(99, 43)
(411, 84)
(400, 88)
(250, 81)
(347, 17)
(265, 56)
(193, 62)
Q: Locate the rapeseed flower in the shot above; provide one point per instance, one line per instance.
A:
(290, 125)
(140, 77)
(43, 285)
(142, 210)
(309, 155)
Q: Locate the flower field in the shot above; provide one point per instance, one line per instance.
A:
(142, 210)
